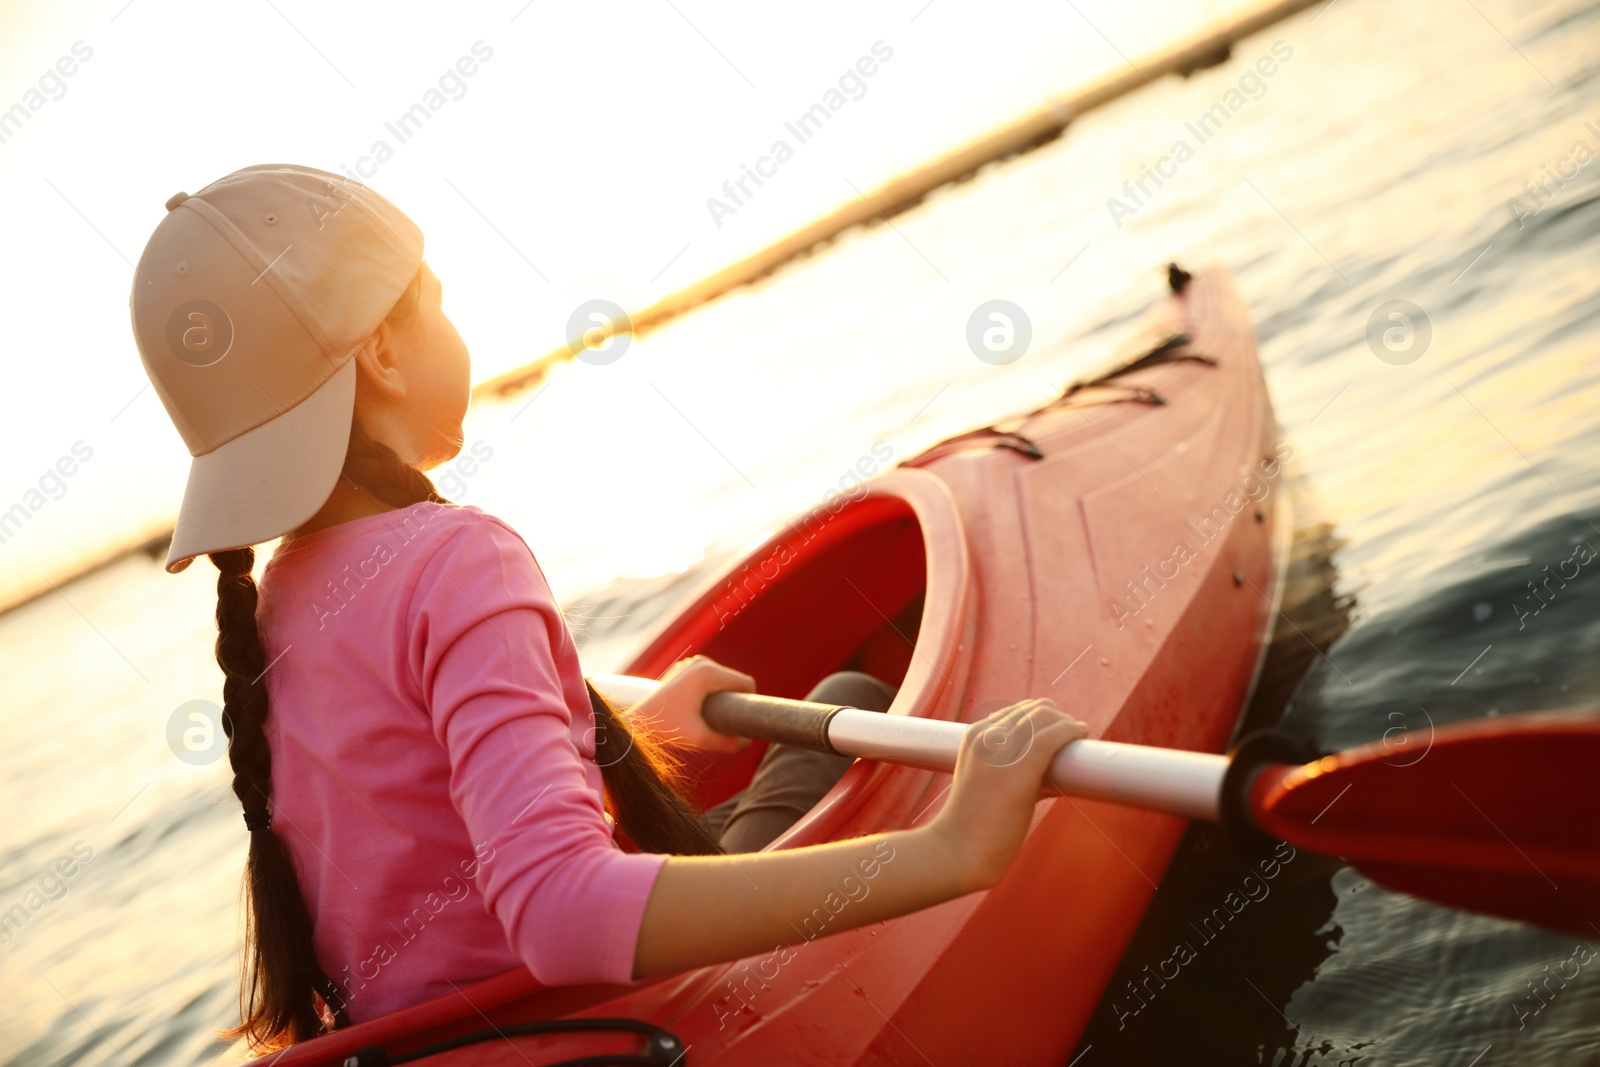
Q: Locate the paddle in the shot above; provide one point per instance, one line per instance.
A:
(1499, 816)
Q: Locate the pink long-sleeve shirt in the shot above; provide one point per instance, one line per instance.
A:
(433, 767)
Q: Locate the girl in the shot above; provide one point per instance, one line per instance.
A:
(430, 731)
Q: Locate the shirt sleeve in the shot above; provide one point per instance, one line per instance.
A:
(484, 649)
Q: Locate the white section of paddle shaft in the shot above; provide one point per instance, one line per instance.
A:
(1159, 779)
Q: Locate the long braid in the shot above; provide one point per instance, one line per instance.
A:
(281, 973)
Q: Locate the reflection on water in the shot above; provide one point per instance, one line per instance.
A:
(1375, 167)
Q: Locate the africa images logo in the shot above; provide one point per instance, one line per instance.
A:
(199, 332)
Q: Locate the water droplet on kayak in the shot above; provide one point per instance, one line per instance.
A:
(1481, 611)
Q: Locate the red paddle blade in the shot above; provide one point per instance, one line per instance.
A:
(1499, 816)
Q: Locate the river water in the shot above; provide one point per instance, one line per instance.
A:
(1366, 155)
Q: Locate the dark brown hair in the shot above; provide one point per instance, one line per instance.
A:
(284, 995)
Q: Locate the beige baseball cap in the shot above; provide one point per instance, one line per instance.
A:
(249, 302)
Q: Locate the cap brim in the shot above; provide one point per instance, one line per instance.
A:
(264, 483)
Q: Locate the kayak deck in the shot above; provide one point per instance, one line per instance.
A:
(1115, 551)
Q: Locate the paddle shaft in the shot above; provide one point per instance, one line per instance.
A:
(1159, 779)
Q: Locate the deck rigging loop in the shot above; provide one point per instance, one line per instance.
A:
(984, 437)
(662, 1048)
(1170, 349)
(1018, 443)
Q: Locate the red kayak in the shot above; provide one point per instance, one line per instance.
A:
(1117, 550)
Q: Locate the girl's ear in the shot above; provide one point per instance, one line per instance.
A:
(377, 364)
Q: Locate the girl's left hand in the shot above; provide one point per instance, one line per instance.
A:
(673, 709)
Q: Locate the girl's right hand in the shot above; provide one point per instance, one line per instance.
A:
(998, 777)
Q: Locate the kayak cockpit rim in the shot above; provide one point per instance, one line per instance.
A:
(798, 606)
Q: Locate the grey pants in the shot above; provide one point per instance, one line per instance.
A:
(789, 781)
